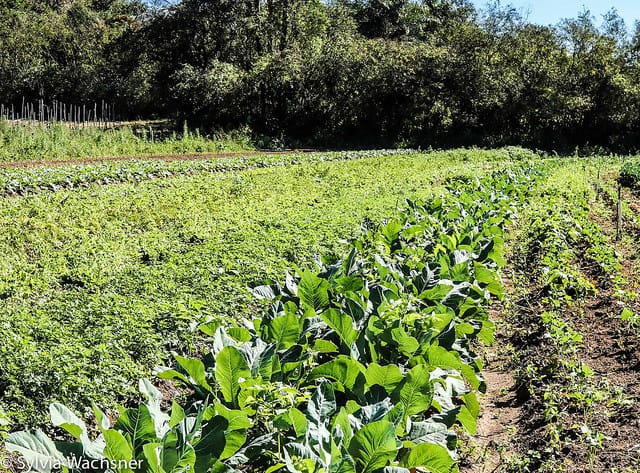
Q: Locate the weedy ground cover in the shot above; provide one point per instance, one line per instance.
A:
(23, 181)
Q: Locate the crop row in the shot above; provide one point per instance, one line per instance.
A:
(565, 259)
(364, 364)
(19, 181)
(14, 182)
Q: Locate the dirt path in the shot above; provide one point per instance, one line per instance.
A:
(499, 409)
(160, 157)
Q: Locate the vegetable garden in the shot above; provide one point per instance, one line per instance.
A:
(330, 312)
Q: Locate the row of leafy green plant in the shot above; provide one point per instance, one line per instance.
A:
(365, 364)
(19, 181)
(565, 258)
(26, 181)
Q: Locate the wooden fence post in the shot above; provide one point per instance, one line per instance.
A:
(619, 223)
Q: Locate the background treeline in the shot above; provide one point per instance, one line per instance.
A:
(338, 73)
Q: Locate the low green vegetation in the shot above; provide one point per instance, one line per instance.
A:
(57, 141)
(630, 174)
(364, 363)
(19, 181)
(562, 260)
(99, 284)
(312, 313)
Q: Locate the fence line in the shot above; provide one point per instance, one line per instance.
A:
(97, 115)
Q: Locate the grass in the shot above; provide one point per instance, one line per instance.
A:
(97, 283)
(58, 141)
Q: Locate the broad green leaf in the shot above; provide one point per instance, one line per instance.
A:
(488, 279)
(283, 330)
(468, 420)
(416, 391)
(151, 452)
(210, 328)
(486, 334)
(388, 377)
(350, 283)
(391, 232)
(211, 443)
(324, 346)
(341, 369)
(154, 399)
(236, 419)
(236, 431)
(442, 358)
(374, 446)
(177, 414)
(67, 420)
(173, 375)
(320, 408)
(292, 419)
(195, 369)
(432, 457)
(341, 421)
(239, 334)
(182, 460)
(313, 291)
(431, 432)
(342, 324)
(231, 368)
(342, 464)
(322, 404)
(138, 424)
(36, 448)
(101, 418)
(471, 401)
(407, 345)
(117, 448)
(471, 376)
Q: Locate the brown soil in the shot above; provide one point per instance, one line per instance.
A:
(162, 157)
(500, 413)
(611, 350)
(512, 422)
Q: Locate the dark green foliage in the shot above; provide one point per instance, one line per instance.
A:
(630, 174)
(348, 72)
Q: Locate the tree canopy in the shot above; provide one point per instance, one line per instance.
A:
(334, 73)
